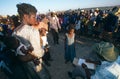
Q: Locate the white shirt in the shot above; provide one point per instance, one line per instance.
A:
(54, 23)
(78, 23)
(71, 40)
(29, 35)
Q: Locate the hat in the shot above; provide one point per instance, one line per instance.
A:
(107, 51)
(118, 12)
(97, 9)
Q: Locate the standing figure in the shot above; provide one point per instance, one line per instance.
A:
(110, 25)
(55, 26)
(29, 36)
(45, 46)
(70, 52)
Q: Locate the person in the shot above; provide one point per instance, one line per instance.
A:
(106, 57)
(13, 43)
(110, 25)
(18, 54)
(28, 35)
(43, 23)
(42, 26)
(78, 26)
(45, 46)
(55, 27)
(70, 44)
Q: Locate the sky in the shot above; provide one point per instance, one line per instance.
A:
(8, 7)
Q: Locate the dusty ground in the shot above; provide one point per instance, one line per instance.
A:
(59, 69)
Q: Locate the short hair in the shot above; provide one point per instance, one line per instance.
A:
(52, 14)
(43, 16)
(71, 26)
(24, 8)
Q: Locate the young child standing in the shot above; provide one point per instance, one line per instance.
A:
(45, 46)
(70, 44)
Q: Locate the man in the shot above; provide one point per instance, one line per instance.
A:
(107, 56)
(55, 26)
(110, 25)
(29, 37)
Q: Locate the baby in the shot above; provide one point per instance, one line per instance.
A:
(22, 52)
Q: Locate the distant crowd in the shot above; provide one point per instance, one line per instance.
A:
(90, 23)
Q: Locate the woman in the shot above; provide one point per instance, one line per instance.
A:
(30, 37)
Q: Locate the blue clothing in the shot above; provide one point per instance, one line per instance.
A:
(108, 70)
(70, 48)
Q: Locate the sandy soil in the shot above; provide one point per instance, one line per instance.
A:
(58, 68)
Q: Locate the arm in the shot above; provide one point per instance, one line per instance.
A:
(28, 55)
(94, 62)
(65, 40)
(58, 23)
(86, 71)
(26, 58)
(75, 41)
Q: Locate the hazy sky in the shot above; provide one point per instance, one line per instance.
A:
(8, 7)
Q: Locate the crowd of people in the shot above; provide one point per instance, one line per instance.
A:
(24, 45)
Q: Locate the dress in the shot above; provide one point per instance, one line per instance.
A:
(70, 52)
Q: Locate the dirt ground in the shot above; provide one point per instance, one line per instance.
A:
(58, 68)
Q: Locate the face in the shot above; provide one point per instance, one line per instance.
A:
(45, 20)
(30, 19)
(43, 32)
(72, 31)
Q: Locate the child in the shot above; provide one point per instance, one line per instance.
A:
(22, 52)
(45, 46)
(70, 44)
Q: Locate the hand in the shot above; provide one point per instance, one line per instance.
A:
(46, 49)
(24, 50)
(86, 70)
(36, 61)
(94, 62)
(98, 63)
(88, 60)
(84, 65)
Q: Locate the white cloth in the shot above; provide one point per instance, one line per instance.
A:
(44, 39)
(78, 23)
(54, 23)
(71, 40)
(29, 35)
